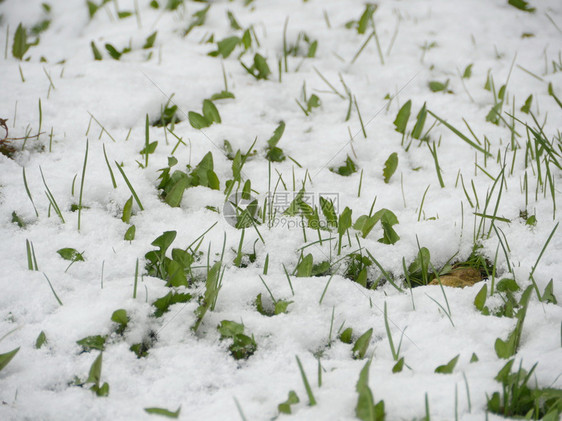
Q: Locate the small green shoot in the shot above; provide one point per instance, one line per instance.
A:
(7, 357)
(362, 344)
(366, 409)
(242, 346)
(390, 167)
(311, 399)
(164, 412)
(449, 367)
(292, 399)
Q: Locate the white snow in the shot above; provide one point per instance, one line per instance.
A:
(194, 370)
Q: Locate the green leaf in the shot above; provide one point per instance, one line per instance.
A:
(494, 115)
(277, 133)
(227, 45)
(94, 376)
(242, 347)
(313, 102)
(71, 254)
(7, 357)
(480, 299)
(548, 294)
(402, 117)
(176, 275)
(344, 222)
(150, 41)
(127, 210)
(275, 154)
(233, 22)
(92, 342)
(346, 336)
(467, 72)
(120, 317)
(163, 304)
(474, 358)
(260, 64)
(347, 169)
(210, 111)
(304, 268)
(390, 167)
(397, 368)
(366, 17)
(113, 52)
(521, 5)
(329, 212)
(420, 121)
(20, 45)
(163, 412)
(164, 241)
(92, 8)
(222, 95)
(175, 195)
(362, 344)
(17, 220)
(124, 14)
(438, 86)
(197, 121)
(229, 329)
(130, 233)
(41, 340)
(507, 284)
(285, 407)
(95, 51)
(449, 367)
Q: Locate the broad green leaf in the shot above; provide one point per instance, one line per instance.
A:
(151, 146)
(260, 64)
(113, 52)
(227, 45)
(390, 166)
(176, 275)
(229, 329)
(449, 367)
(329, 212)
(507, 284)
(92, 342)
(127, 210)
(120, 317)
(304, 268)
(210, 112)
(130, 233)
(197, 121)
(20, 45)
(480, 299)
(41, 340)
(366, 17)
(344, 222)
(402, 117)
(397, 368)
(285, 407)
(7, 357)
(71, 254)
(94, 376)
(347, 169)
(164, 241)
(522, 5)
(346, 336)
(438, 86)
(362, 344)
(175, 195)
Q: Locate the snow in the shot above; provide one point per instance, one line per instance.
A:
(194, 370)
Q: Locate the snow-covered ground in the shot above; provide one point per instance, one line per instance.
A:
(78, 104)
